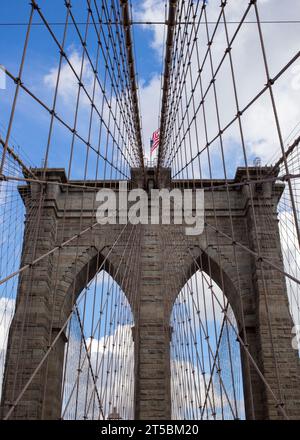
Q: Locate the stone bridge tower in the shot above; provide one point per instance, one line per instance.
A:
(246, 280)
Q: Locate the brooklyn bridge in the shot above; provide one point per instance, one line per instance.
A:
(126, 318)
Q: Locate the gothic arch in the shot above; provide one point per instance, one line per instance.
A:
(198, 308)
(81, 268)
(89, 263)
(217, 268)
(163, 254)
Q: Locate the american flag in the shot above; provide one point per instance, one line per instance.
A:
(154, 141)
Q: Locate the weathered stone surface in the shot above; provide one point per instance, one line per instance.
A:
(166, 260)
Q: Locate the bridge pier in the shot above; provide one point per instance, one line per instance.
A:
(163, 268)
(270, 326)
(34, 317)
(152, 341)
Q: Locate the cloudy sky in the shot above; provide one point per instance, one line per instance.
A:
(30, 127)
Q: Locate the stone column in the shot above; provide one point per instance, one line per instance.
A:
(152, 336)
(29, 333)
(273, 351)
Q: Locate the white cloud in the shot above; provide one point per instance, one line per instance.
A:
(258, 122)
(68, 83)
(291, 259)
(149, 95)
(112, 360)
(7, 307)
(153, 10)
(196, 315)
(281, 42)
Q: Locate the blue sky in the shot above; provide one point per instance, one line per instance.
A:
(31, 123)
(12, 37)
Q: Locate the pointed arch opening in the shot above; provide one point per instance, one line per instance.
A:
(206, 367)
(98, 376)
